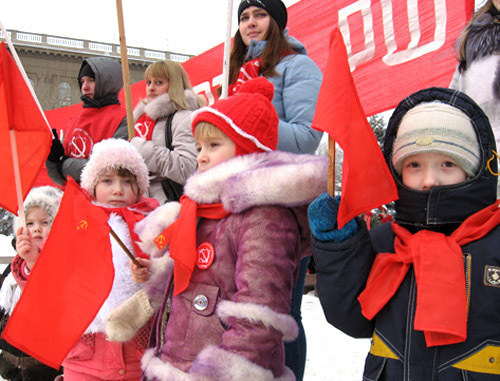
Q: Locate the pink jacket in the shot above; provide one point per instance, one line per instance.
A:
(234, 316)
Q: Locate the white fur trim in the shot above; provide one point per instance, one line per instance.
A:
(123, 285)
(270, 178)
(224, 365)
(155, 368)
(154, 224)
(252, 312)
(112, 154)
(9, 294)
(229, 121)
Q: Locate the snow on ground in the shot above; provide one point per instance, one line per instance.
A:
(331, 354)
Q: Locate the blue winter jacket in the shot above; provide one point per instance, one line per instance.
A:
(296, 90)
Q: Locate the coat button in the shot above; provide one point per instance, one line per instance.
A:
(200, 302)
(122, 372)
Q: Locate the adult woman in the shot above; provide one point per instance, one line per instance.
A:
(478, 71)
(163, 129)
(261, 47)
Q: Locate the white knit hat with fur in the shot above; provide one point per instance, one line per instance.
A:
(46, 197)
(441, 128)
(112, 154)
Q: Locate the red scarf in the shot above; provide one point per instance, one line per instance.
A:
(249, 70)
(144, 127)
(441, 311)
(133, 214)
(182, 238)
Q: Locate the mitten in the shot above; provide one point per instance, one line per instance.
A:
(124, 321)
(57, 150)
(322, 214)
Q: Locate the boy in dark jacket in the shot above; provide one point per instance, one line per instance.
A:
(426, 287)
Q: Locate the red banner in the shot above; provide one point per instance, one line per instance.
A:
(394, 47)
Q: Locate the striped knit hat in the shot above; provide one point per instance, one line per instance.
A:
(441, 128)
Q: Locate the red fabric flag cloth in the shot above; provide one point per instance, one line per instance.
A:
(20, 113)
(182, 238)
(366, 180)
(441, 311)
(68, 284)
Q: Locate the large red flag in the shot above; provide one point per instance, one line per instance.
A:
(19, 113)
(366, 180)
(68, 284)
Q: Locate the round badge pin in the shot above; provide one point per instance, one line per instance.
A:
(206, 255)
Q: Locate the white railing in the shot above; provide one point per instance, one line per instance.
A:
(29, 37)
(130, 51)
(179, 57)
(100, 47)
(154, 54)
(65, 42)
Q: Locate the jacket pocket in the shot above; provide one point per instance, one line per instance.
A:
(204, 327)
(83, 350)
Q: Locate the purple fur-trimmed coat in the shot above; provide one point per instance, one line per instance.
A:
(231, 321)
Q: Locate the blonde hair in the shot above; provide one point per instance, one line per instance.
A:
(178, 80)
(205, 130)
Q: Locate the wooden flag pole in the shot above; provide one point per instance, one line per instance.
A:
(125, 249)
(331, 166)
(227, 50)
(125, 70)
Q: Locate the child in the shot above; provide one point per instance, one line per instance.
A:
(40, 208)
(426, 287)
(229, 315)
(163, 129)
(116, 178)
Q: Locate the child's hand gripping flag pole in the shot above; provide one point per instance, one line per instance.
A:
(25, 136)
(68, 284)
(366, 180)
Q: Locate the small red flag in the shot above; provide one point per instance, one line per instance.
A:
(68, 284)
(366, 180)
(19, 112)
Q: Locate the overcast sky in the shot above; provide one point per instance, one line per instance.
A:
(181, 26)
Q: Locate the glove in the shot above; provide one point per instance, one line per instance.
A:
(322, 214)
(124, 321)
(56, 154)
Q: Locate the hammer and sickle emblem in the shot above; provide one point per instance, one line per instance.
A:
(160, 241)
(82, 225)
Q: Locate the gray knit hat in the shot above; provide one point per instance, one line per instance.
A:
(46, 197)
(111, 154)
(437, 127)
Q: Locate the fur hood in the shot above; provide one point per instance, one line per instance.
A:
(258, 179)
(483, 39)
(270, 178)
(162, 106)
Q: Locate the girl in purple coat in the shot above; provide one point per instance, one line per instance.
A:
(222, 292)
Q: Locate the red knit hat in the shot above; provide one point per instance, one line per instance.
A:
(248, 118)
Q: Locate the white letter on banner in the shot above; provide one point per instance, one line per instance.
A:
(413, 50)
(204, 88)
(363, 6)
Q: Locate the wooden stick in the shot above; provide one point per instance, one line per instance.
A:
(125, 71)
(331, 166)
(17, 177)
(125, 249)
(227, 50)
